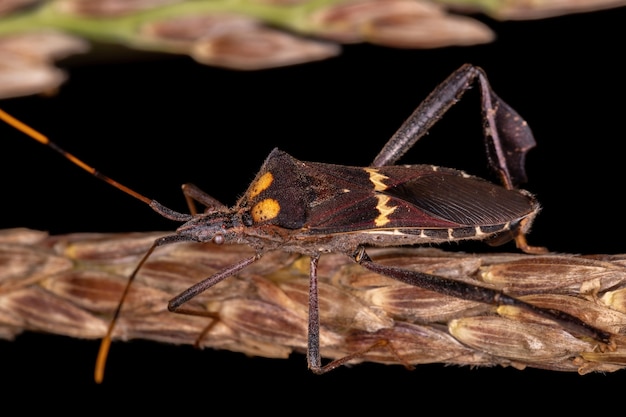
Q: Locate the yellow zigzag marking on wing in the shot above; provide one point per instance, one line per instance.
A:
(377, 179)
(384, 210)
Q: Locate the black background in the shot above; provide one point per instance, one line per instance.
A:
(155, 123)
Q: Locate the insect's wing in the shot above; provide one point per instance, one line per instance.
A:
(421, 197)
(325, 198)
(451, 195)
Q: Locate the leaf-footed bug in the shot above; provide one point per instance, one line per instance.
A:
(314, 208)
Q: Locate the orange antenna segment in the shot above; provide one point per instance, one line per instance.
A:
(156, 206)
(39, 137)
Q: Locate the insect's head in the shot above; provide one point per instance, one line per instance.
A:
(214, 226)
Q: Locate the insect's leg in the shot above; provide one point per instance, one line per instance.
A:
(522, 244)
(382, 343)
(313, 343)
(193, 193)
(426, 115)
(105, 344)
(470, 292)
(314, 356)
(507, 136)
(516, 233)
(175, 303)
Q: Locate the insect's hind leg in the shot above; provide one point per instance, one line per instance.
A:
(507, 135)
(480, 294)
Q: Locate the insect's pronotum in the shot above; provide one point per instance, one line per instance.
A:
(313, 208)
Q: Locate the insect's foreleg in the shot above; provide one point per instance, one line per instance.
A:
(175, 303)
(193, 193)
(168, 213)
(476, 293)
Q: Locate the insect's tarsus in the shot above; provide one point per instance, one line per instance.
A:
(313, 208)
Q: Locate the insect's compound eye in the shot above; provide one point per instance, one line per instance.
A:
(218, 239)
(246, 217)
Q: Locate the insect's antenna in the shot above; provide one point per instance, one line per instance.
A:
(105, 344)
(155, 205)
(41, 138)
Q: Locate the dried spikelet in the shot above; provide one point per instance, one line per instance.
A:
(70, 285)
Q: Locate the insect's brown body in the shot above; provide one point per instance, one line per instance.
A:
(313, 208)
